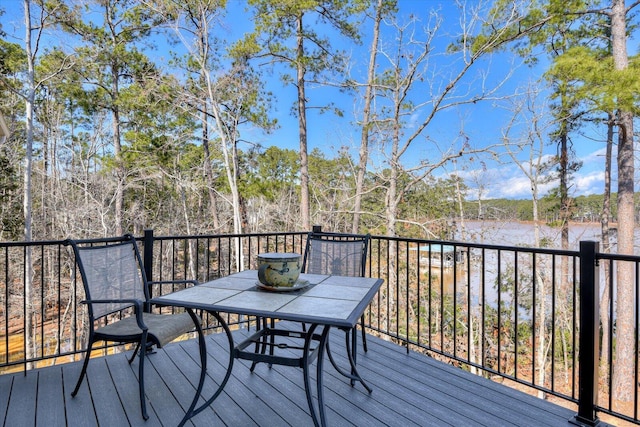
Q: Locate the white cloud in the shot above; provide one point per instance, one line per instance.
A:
(591, 183)
(595, 157)
(508, 181)
(413, 120)
(515, 187)
(503, 181)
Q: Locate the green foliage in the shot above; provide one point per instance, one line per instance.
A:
(277, 29)
(109, 60)
(13, 59)
(595, 81)
(584, 208)
(273, 173)
(332, 184)
(433, 202)
(10, 201)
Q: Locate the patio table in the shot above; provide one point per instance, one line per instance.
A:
(327, 302)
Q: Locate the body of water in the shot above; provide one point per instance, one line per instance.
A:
(522, 233)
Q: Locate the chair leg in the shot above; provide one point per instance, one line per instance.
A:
(143, 399)
(84, 368)
(364, 334)
(135, 353)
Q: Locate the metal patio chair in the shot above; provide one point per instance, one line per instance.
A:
(339, 254)
(325, 254)
(117, 296)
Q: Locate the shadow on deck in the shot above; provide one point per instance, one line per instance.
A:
(408, 389)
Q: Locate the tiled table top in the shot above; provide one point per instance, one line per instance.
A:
(329, 300)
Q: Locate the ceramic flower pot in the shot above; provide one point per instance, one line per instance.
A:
(279, 269)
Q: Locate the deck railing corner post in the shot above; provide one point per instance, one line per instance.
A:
(147, 256)
(589, 336)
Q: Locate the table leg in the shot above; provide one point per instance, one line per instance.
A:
(192, 411)
(351, 348)
(262, 344)
(319, 374)
(313, 348)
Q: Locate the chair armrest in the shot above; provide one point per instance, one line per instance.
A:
(136, 304)
(133, 301)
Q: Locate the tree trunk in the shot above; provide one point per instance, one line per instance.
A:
(117, 146)
(208, 172)
(364, 135)
(539, 298)
(565, 211)
(120, 174)
(623, 388)
(192, 244)
(27, 199)
(237, 204)
(228, 146)
(625, 343)
(305, 206)
(564, 291)
(606, 248)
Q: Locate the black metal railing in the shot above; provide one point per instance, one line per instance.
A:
(528, 316)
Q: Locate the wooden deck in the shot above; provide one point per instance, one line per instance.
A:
(409, 389)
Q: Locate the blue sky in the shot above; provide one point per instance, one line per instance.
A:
(481, 123)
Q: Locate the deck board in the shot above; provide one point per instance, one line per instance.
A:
(20, 410)
(6, 382)
(449, 393)
(408, 389)
(79, 409)
(106, 401)
(51, 406)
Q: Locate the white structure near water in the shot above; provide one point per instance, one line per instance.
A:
(439, 256)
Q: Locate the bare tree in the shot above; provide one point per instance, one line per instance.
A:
(529, 118)
(223, 97)
(407, 69)
(381, 9)
(36, 22)
(605, 220)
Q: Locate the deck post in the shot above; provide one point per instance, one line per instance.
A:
(589, 344)
(147, 255)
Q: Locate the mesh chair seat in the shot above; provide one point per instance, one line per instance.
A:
(162, 328)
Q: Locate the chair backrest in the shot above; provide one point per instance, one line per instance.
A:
(336, 253)
(111, 271)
